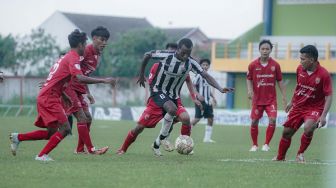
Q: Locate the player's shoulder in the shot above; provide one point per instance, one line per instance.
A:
(323, 71)
(254, 62)
(273, 61)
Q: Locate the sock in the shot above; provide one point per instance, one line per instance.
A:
(283, 147)
(130, 138)
(52, 143)
(269, 133)
(208, 132)
(34, 135)
(186, 130)
(305, 142)
(157, 142)
(254, 134)
(167, 123)
(84, 135)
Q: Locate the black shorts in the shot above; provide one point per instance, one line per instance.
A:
(206, 113)
(160, 98)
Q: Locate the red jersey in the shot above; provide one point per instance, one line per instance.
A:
(88, 64)
(153, 71)
(60, 73)
(264, 80)
(311, 90)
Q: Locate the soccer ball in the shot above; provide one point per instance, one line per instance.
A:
(184, 144)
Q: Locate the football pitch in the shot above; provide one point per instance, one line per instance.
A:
(226, 163)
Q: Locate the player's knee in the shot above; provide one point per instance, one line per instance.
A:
(254, 122)
(288, 133)
(272, 121)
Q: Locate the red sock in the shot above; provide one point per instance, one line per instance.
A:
(305, 142)
(130, 138)
(52, 143)
(254, 134)
(34, 135)
(84, 135)
(283, 147)
(186, 130)
(269, 133)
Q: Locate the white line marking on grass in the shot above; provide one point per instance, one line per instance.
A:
(310, 162)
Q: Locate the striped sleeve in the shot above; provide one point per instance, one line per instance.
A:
(160, 54)
(195, 67)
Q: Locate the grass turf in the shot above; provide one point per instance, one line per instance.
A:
(226, 163)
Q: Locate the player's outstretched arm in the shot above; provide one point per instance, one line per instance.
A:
(89, 80)
(142, 78)
(282, 88)
(322, 121)
(211, 80)
(193, 92)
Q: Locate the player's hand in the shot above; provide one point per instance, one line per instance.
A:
(321, 122)
(200, 97)
(198, 103)
(227, 89)
(250, 95)
(288, 107)
(141, 81)
(91, 98)
(214, 102)
(66, 99)
(111, 80)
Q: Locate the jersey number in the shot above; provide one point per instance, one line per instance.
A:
(162, 96)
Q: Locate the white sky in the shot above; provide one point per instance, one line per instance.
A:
(216, 18)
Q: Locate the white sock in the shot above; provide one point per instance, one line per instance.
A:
(166, 124)
(208, 132)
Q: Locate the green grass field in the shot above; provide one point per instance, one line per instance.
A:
(226, 163)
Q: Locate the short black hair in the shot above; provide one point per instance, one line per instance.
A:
(265, 41)
(205, 60)
(171, 45)
(310, 50)
(76, 37)
(100, 31)
(186, 42)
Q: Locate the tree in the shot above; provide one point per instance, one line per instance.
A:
(123, 57)
(37, 52)
(7, 51)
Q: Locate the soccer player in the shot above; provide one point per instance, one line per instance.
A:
(165, 142)
(51, 114)
(262, 75)
(203, 93)
(75, 90)
(171, 74)
(310, 103)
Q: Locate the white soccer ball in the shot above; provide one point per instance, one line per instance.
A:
(184, 144)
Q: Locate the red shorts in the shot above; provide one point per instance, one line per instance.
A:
(153, 113)
(77, 101)
(258, 110)
(297, 117)
(50, 112)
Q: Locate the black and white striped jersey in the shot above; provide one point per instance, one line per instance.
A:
(171, 73)
(203, 88)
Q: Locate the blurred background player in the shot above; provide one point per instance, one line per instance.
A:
(75, 90)
(203, 94)
(1, 77)
(310, 103)
(171, 74)
(51, 114)
(262, 75)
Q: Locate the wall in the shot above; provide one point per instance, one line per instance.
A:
(304, 19)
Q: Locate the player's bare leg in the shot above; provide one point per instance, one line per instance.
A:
(306, 138)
